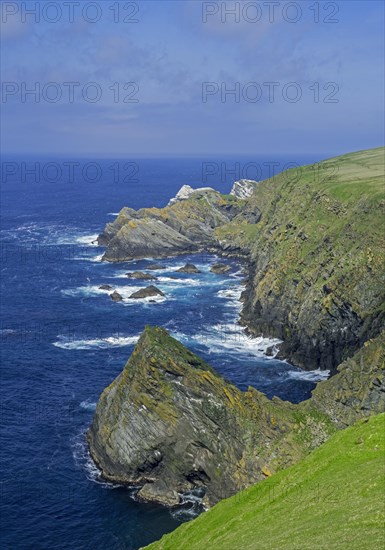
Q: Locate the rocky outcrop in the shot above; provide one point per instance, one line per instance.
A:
(243, 189)
(147, 292)
(183, 228)
(316, 277)
(189, 268)
(358, 389)
(169, 423)
(116, 297)
(105, 287)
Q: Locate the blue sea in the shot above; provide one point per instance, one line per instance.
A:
(64, 340)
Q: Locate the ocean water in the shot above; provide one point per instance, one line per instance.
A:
(64, 340)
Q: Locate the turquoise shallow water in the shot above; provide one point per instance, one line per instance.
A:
(64, 341)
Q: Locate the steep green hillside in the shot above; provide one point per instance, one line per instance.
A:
(317, 257)
(331, 500)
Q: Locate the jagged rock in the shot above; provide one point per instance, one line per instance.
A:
(189, 268)
(141, 276)
(116, 297)
(105, 287)
(220, 269)
(171, 424)
(243, 189)
(186, 191)
(147, 292)
(155, 266)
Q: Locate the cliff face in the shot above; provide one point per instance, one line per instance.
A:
(358, 389)
(316, 276)
(170, 424)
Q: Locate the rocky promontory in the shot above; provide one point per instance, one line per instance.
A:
(170, 424)
(184, 227)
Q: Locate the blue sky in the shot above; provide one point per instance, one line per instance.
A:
(168, 55)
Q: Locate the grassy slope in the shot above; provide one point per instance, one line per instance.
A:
(332, 499)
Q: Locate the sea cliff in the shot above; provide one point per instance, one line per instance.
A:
(313, 241)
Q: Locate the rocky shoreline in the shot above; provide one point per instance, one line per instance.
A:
(169, 423)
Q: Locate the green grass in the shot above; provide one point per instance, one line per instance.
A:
(333, 499)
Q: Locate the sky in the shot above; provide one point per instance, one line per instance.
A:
(191, 78)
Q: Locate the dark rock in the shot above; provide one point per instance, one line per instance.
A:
(220, 269)
(189, 268)
(141, 275)
(116, 297)
(105, 287)
(270, 351)
(147, 292)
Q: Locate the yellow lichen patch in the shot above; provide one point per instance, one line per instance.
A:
(266, 472)
(229, 396)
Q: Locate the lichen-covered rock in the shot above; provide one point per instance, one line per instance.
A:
(243, 189)
(316, 258)
(170, 424)
(359, 387)
(184, 227)
(186, 191)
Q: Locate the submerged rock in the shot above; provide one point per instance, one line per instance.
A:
(189, 268)
(220, 269)
(105, 287)
(116, 297)
(147, 292)
(141, 275)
